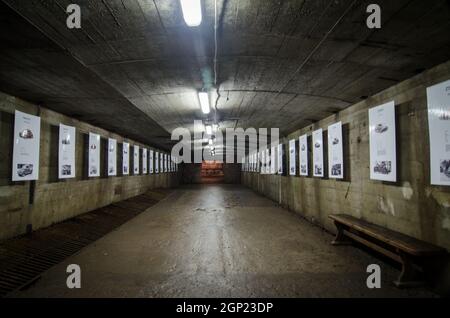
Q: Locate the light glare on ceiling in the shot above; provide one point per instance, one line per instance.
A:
(192, 12)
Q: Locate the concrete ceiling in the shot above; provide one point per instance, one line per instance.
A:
(280, 63)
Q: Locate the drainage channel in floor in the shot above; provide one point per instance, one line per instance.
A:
(25, 258)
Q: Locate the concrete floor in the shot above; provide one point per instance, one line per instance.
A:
(218, 241)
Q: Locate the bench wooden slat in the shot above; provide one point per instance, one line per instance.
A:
(400, 241)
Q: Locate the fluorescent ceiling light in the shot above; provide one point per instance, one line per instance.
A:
(209, 130)
(192, 12)
(204, 102)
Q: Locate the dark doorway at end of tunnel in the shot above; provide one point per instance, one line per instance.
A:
(212, 172)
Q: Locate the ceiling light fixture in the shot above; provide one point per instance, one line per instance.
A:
(192, 12)
(204, 102)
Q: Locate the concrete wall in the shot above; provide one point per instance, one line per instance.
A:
(56, 200)
(411, 206)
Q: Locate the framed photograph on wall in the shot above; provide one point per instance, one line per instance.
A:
(144, 161)
(112, 157)
(273, 160)
(438, 99)
(27, 135)
(151, 164)
(135, 159)
(335, 152)
(161, 162)
(156, 162)
(382, 139)
(94, 155)
(125, 158)
(292, 158)
(303, 156)
(280, 154)
(318, 169)
(66, 152)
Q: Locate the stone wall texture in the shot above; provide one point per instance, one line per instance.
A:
(57, 200)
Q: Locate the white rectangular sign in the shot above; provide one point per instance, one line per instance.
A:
(303, 156)
(263, 161)
(151, 162)
(94, 155)
(438, 97)
(125, 158)
(27, 133)
(292, 162)
(273, 160)
(318, 153)
(166, 163)
(161, 162)
(112, 157)
(383, 158)
(144, 161)
(335, 151)
(280, 159)
(136, 159)
(156, 162)
(268, 163)
(66, 158)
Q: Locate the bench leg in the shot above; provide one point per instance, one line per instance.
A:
(410, 276)
(340, 238)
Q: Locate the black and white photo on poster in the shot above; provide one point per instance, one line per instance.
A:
(112, 157)
(66, 152)
(144, 160)
(27, 132)
(335, 151)
(318, 169)
(383, 157)
(292, 163)
(438, 100)
(273, 160)
(151, 161)
(280, 159)
(94, 155)
(156, 162)
(303, 155)
(136, 159)
(125, 158)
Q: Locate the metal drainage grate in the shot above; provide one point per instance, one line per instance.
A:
(24, 259)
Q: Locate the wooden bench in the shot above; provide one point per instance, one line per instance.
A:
(408, 251)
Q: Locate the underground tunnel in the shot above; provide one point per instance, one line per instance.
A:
(218, 149)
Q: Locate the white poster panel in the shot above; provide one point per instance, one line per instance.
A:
(156, 162)
(166, 163)
(112, 157)
(292, 168)
(280, 159)
(273, 160)
(438, 97)
(126, 158)
(263, 161)
(144, 161)
(151, 161)
(27, 132)
(318, 153)
(66, 158)
(335, 152)
(303, 155)
(268, 163)
(136, 159)
(383, 158)
(161, 162)
(94, 155)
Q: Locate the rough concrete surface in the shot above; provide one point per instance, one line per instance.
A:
(218, 241)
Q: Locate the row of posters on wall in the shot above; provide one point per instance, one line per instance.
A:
(382, 140)
(27, 143)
